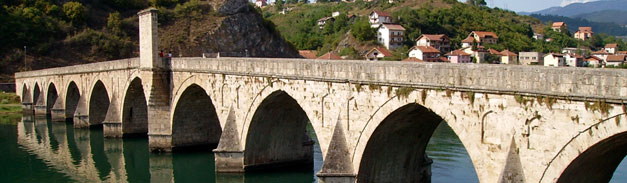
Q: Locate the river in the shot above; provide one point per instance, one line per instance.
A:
(44, 151)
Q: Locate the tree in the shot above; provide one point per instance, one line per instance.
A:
(114, 24)
(74, 12)
(278, 5)
(361, 30)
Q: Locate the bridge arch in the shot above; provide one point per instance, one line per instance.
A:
(282, 116)
(195, 121)
(592, 155)
(51, 97)
(135, 109)
(420, 119)
(36, 93)
(72, 96)
(98, 103)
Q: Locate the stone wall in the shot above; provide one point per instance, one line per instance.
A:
(570, 83)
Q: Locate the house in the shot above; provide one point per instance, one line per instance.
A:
(479, 54)
(323, 21)
(390, 35)
(621, 52)
(330, 56)
(593, 61)
(481, 38)
(580, 50)
(615, 60)
(602, 54)
(260, 3)
(426, 53)
(611, 48)
(584, 33)
(459, 56)
(559, 26)
(554, 60)
(378, 53)
(537, 36)
(308, 54)
(531, 58)
(379, 17)
(574, 60)
(508, 57)
(335, 14)
(438, 41)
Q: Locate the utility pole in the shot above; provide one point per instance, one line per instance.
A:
(24, 57)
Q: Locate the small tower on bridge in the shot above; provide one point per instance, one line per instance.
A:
(149, 40)
(159, 70)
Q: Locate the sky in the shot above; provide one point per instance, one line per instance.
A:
(530, 5)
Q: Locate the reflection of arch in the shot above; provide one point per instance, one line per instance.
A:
(388, 156)
(36, 93)
(195, 121)
(72, 95)
(280, 115)
(98, 104)
(51, 97)
(592, 155)
(135, 109)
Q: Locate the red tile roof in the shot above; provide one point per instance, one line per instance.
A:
(616, 58)
(381, 13)
(508, 53)
(622, 53)
(594, 58)
(613, 45)
(394, 27)
(585, 30)
(468, 40)
(433, 37)
(483, 34)
(308, 54)
(494, 52)
(413, 59)
(426, 49)
(384, 51)
(330, 56)
(558, 24)
(458, 53)
(444, 59)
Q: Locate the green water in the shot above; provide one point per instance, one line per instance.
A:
(44, 151)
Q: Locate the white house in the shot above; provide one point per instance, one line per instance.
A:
(426, 53)
(379, 17)
(559, 26)
(377, 54)
(554, 60)
(260, 3)
(481, 38)
(390, 35)
(611, 48)
(584, 33)
(573, 60)
(323, 21)
(615, 60)
(438, 41)
(537, 36)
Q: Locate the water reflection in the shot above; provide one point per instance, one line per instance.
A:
(56, 152)
(84, 155)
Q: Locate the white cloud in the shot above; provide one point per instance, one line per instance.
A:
(567, 2)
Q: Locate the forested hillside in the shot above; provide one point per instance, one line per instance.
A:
(456, 19)
(38, 34)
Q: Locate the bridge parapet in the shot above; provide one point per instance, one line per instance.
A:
(569, 83)
(122, 64)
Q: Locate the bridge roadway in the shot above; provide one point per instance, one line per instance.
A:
(372, 120)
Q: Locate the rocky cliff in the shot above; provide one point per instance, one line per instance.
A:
(228, 27)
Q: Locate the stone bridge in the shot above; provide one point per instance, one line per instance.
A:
(372, 120)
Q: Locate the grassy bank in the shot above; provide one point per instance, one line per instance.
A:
(10, 103)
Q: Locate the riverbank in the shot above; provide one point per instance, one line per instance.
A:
(10, 103)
